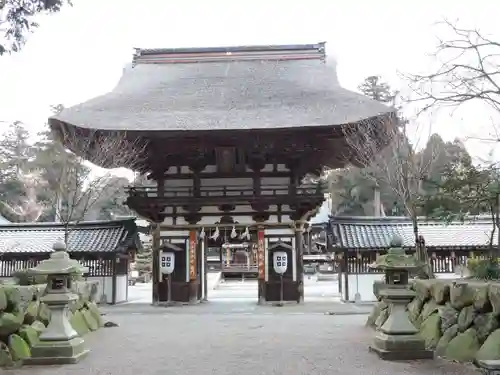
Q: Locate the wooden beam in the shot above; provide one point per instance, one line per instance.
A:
(234, 214)
(218, 175)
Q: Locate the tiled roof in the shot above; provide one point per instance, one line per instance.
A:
(95, 236)
(376, 232)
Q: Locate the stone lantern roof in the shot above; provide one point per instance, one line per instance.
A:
(59, 263)
(396, 258)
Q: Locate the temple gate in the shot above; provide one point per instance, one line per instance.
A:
(231, 133)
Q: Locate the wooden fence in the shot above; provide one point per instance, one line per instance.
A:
(442, 261)
(98, 266)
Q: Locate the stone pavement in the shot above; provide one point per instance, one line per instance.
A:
(232, 290)
(163, 343)
(241, 306)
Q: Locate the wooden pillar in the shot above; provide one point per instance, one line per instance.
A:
(346, 274)
(299, 259)
(161, 186)
(196, 182)
(205, 267)
(221, 258)
(338, 263)
(193, 282)
(156, 263)
(156, 240)
(113, 280)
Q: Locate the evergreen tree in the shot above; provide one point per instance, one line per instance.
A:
(15, 150)
(16, 19)
(375, 88)
(111, 204)
(466, 190)
(16, 188)
(52, 160)
(144, 259)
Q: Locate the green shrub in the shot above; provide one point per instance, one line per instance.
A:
(486, 269)
(27, 277)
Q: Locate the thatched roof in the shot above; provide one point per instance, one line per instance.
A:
(225, 89)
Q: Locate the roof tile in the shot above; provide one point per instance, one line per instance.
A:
(377, 233)
(97, 236)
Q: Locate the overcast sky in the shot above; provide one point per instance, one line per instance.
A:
(80, 52)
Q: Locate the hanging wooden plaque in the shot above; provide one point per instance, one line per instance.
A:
(261, 253)
(192, 255)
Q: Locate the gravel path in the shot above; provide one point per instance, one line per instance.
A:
(237, 344)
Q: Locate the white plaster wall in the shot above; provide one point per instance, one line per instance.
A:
(210, 169)
(447, 276)
(215, 209)
(121, 288)
(184, 183)
(275, 182)
(279, 231)
(282, 168)
(171, 170)
(364, 285)
(211, 220)
(104, 289)
(268, 168)
(230, 182)
(168, 221)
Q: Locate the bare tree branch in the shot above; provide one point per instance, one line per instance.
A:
(469, 71)
(77, 188)
(395, 165)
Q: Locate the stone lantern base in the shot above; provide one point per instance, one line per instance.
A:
(397, 339)
(59, 343)
(400, 347)
(58, 352)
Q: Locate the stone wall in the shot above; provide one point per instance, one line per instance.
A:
(458, 319)
(23, 317)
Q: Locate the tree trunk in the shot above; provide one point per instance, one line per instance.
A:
(421, 253)
(496, 225)
(66, 236)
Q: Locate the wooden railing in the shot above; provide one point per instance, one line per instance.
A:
(239, 267)
(441, 261)
(306, 257)
(223, 191)
(316, 257)
(97, 268)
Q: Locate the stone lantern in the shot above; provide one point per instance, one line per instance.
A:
(397, 338)
(59, 343)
